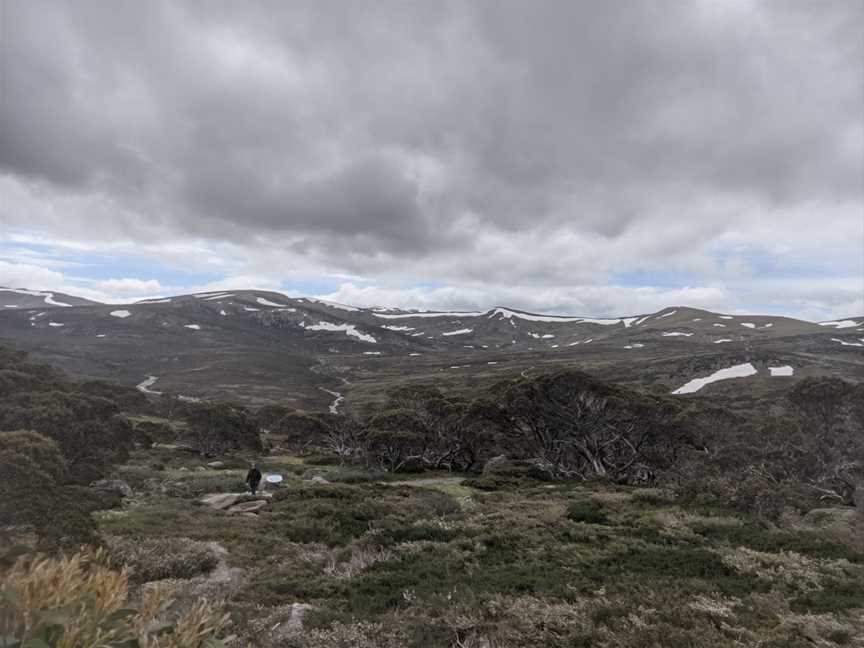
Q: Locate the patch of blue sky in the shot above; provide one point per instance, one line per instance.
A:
(656, 279)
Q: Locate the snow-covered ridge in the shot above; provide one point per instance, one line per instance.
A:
(426, 314)
(508, 314)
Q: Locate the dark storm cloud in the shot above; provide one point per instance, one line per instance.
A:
(331, 122)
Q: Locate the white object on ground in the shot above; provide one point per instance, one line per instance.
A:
(273, 479)
(737, 371)
(785, 370)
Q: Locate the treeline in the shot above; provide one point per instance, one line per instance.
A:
(807, 451)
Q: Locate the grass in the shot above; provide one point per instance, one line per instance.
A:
(432, 560)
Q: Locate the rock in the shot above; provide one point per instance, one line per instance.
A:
(248, 507)
(318, 479)
(113, 486)
(312, 473)
(200, 468)
(221, 501)
(216, 465)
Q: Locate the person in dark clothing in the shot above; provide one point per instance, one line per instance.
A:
(253, 478)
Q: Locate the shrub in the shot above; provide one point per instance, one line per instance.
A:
(159, 558)
(588, 511)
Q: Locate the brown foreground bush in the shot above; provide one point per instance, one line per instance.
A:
(78, 602)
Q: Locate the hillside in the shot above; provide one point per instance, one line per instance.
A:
(262, 347)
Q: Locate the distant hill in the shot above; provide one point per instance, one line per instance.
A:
(264, 347)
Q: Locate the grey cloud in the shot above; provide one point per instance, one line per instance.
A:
(372, 128)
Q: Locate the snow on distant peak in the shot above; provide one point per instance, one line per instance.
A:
(331, 304)
(840, 324)
(426, 314)
(49, 296)
(122, 314)
(166, 300)
(218, 297)
(348, 329)
(672, 312)
(726, 317)
(212, 295)
(508, 314)
(463, 331)
(267, 302)
(737, 371)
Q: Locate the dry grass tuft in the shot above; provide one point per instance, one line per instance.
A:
(78, 601)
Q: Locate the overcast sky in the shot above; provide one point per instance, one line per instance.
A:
(591, 158)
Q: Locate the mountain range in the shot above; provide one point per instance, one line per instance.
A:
(265, 347)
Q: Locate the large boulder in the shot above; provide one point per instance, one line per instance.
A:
(247, 507)
(222, 501)
(216, 465)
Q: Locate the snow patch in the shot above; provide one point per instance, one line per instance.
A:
(667, 314)
(676, 334)
(194, 327)
(348, 329)
(722, 341)
(154, 301)
(267, 302)
(636, 345)
(749, 325)
(845, 343)
(720, 325)
(464, 331)
(737, 371)
(122, 314)
(55, 324)
(344, 307)
(726, 317)
(250, 309)
(840, 324)
(49, 296)
(399, 328)
(785, 370)
(371, 353)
